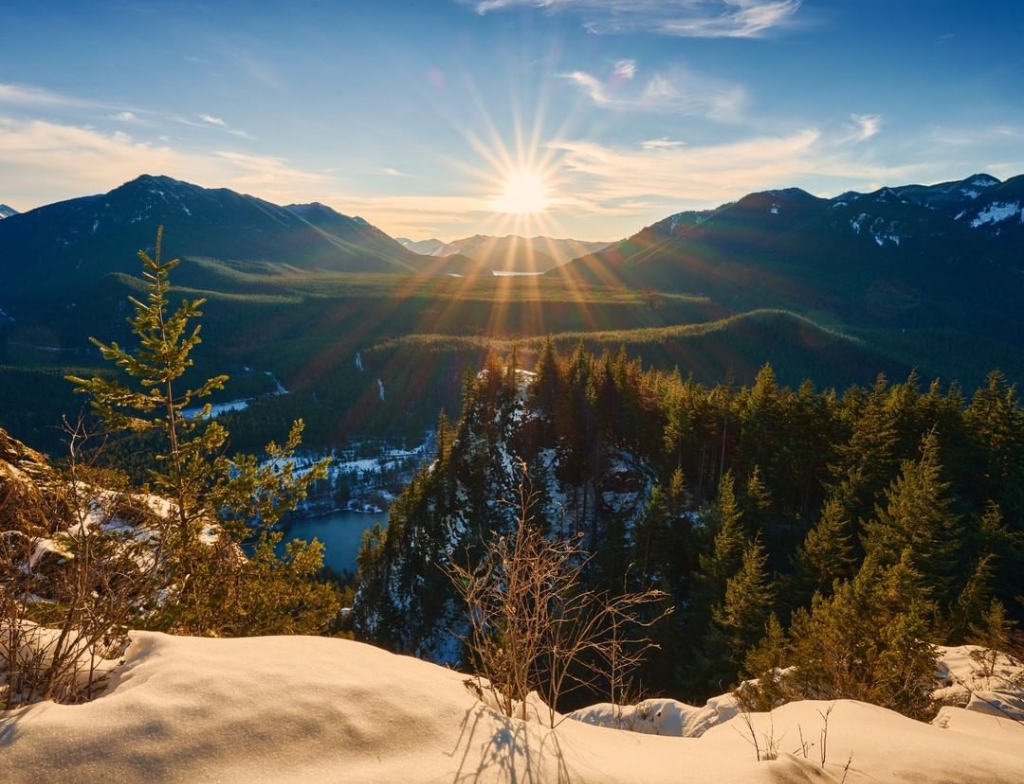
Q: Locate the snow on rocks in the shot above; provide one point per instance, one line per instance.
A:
(981, 680)
(997, 212)
(660, 716)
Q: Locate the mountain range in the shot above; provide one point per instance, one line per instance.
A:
(909, 254)
(509, 253)
(835, 289)
(77, 242)
(946, 255)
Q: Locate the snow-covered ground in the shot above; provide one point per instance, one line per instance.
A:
(283, 709)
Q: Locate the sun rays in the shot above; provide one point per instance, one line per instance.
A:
(525, 193)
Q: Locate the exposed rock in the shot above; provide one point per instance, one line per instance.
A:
(24, 475)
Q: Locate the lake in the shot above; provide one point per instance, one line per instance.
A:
(341, 533)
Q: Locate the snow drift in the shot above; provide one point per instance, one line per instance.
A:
(315, 709)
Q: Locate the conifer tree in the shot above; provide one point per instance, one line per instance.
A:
(726, 555)
(827, 553)
(738, 619)
(869, 641)
(748, 598)
(918, 523)
(765, 662)
(216, 502)
(757, 501)
(653, 537)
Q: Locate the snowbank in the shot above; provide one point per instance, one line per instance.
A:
(312, 709)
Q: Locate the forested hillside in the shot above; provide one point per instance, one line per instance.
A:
(838, 531)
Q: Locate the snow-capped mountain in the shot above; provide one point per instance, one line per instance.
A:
(949, 255)
(6, 212)
(431, 247)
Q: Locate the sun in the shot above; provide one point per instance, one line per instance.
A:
(525, 192)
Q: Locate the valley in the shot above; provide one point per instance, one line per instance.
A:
(302, 292)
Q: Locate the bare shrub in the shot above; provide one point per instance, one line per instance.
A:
(69, 588)
(534, 626)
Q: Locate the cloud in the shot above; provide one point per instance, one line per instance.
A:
(663, 174)
(975, 135)
(661, 144)
(867, 125)
(124, 117)
(33, 96)
(217, 122)
(682, 18)
(42, 162)
(674, 90)
(624, 70)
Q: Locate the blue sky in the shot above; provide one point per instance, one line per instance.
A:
(416, 114)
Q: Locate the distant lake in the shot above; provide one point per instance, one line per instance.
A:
(341, 533)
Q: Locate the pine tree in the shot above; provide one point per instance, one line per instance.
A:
(738, 621)
(729, 540)
(918, 523)
(868, 641)
(757, 501)
(827, 553)
(216, 502)
(748, 598)
(652, 537)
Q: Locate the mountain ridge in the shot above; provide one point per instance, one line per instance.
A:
(889, 257)
(75, 242)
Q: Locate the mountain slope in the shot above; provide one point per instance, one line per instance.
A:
(872, 259)
(6, 212)
(67, 245)
(424, 247)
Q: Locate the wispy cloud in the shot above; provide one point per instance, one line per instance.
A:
(217, 122)
(666, 174)
(975, 135)
(42, 161)
(661, 144)
(674, 90)
(124, 117)
(683, 18)
(16, 94)
(867, 125)
(624, 71)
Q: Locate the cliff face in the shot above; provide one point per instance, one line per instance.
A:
(503, 460)
(25, 479)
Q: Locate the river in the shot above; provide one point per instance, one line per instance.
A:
(341, 533)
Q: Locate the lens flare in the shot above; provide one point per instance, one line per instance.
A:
(525, 193)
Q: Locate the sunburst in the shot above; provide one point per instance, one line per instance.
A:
(526, 192)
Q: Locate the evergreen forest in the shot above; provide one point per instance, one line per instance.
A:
(840, 532)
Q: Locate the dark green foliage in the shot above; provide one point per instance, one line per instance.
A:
(918, 525)
(827, 554)
(738, 621)
(828, 528)
(869, 641)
